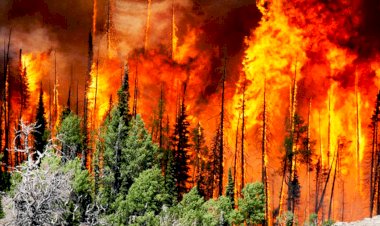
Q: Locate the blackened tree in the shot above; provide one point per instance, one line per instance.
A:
(39, 134)
(180, 146)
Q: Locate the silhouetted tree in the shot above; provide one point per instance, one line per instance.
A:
(39, 135)
(180, 146)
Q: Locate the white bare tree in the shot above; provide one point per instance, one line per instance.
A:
(41, 196)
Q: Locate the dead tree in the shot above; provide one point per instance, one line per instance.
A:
(242, 161)
(43, 192)
(221, 144)
(374, 155)
(5, 105)
(85, 105)
(264, 178)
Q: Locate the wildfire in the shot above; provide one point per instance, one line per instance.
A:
(300, 54)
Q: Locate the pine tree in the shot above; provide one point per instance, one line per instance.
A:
(170, 179)
(71, 136)
(125, 156)
(40, 138)
(114, 142)
(123, 94)
(180, 146)
(198, 147)
(230, 193)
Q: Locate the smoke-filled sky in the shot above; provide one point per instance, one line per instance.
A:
(42, 25)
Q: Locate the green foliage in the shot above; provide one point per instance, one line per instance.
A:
(123, 94)
(138, 154)
(252, 205)
(80, 183)
(189, 210)
(170, 182)
(193, 210)
(230, 193)
(144, 200)
(313, 219)
(286, 218)
(329, 222)
(70, 133)
(127, 153)
(218, 212)
(114, 141)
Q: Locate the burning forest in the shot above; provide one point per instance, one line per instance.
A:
(189, 112)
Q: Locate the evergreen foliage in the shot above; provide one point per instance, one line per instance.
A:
(252, 205)
(230, 193)
(180, 146)
(71, 136)
(125, 157)
(144, 200)
(123, 94)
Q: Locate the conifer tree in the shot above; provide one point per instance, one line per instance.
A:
(230, 193)
(114, 142)
(71, 135)
(198, 147)
(170, 179)
(180, 146)
(39, 135)
(123, 94)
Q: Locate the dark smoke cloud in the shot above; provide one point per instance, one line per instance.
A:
(42, 25)
(369, 28)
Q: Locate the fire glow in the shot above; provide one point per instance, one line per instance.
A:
(297, 49)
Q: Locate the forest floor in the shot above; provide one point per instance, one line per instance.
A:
(375, 221)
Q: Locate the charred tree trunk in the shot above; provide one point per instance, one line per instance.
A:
(6, 100)
(263, 156)
(236, 150)
(333, 183)
(135, 96)
(374, 154)
(221, 144)
(242, 141)
(85, 105)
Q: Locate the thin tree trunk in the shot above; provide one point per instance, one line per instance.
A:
(236, 152)
(263, 156)
(333, 184)
(221, 144)
(242, 141)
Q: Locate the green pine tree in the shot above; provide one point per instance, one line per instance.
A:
(170, 181)
(138, 154)
(251, 206)
(40, 137)
(144, 200)
(125, 156)
(180, 146)
(230, 193)
(123, 94)
(70, 133)
(114, 138)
